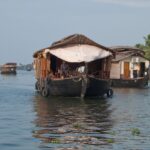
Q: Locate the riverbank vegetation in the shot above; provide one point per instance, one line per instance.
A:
(145, 46)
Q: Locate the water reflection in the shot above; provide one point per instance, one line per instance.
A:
(70, 121)
(28, 121)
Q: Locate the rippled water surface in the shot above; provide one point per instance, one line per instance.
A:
(30, 122)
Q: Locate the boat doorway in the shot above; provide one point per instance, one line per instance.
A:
(142, 69)
(126, 70)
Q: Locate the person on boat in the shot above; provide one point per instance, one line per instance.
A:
(64, 68)
(81, 69)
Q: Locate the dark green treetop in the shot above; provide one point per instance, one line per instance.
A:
(145, 46)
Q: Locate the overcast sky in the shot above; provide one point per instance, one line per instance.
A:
(29, 25)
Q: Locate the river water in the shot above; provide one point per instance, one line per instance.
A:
(31, 122)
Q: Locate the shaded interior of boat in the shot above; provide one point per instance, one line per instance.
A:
(70, 82)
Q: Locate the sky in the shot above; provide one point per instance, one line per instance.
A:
(29, 25)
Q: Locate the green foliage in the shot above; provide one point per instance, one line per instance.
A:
(55, 141)
(77, 126)
(147, 40)
(145, 46)
(135, 131)
(110, 140)
(140, 46)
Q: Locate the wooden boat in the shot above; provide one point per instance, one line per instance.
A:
(29, 67)
(129, 67)
(87, 72)
(9, 68)
(133, 83)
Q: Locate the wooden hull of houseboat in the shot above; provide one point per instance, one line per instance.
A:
(65, 87)
(135, 83)
(97, 87)
(9, 72)
(78, 87)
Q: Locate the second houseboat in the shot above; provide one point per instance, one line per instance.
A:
(129, 67)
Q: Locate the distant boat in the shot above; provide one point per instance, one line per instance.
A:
(88, 70)
(8, 68)
(129, 67)
(28, 68)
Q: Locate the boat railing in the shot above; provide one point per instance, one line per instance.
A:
(101, 74)
(69, 74)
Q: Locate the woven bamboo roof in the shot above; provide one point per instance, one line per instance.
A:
(11, 63)
(123, 52)
(71, 40)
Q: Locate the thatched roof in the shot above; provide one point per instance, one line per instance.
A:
(11, 63)
(77, 39)
(123, 52)
(126, 49)
(35, 54)
(71, 40)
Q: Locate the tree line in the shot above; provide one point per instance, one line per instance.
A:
(146, 46)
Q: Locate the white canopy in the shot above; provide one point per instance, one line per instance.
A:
(79, 53)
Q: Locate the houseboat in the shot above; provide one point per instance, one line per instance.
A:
(75, 66)
(28, 67)
(129, 67)
(8, 68)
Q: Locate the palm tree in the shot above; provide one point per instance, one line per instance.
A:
(146, 46)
